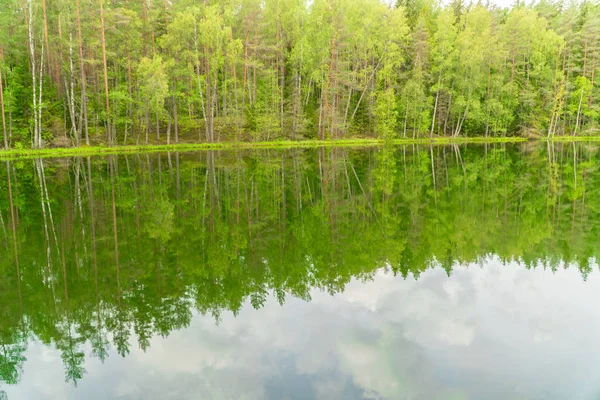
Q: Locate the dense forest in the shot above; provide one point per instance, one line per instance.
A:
(110, 72)
(110, 252)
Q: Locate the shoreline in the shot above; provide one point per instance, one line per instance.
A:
(282, 144)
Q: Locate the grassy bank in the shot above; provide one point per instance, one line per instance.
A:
(152, 148)
(575, 139)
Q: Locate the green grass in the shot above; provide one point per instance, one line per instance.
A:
(575, 139)
(283, 144)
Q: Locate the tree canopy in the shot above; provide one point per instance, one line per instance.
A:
(111, 72)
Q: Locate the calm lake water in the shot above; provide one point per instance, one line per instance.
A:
(444, 272)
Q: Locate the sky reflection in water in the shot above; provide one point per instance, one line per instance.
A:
(492, 331)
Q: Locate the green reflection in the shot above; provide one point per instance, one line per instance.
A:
(97, 250)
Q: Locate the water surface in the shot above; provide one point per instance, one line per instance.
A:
(418, 272)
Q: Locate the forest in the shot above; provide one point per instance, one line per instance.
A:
(108, 252)
(115, 72)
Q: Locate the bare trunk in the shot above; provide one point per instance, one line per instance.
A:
(157, 127)
(39, 104)
(168, 129)
(362, 95)
(209, 99)
(244, 76)
(105, 70)
(71, 90)
(3, 113)
(83, 118)
(437, 96)
(175, 122)
(46, 42)
(200, 83)
(37, 142)
(578, 113)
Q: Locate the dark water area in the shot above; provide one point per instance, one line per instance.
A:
(416, 272)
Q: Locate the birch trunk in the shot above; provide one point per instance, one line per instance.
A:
(83, 119)
(105, 68)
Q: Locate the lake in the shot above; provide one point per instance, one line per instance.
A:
(414, 272)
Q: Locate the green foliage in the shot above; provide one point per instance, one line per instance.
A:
(297, 69)
(153, 84)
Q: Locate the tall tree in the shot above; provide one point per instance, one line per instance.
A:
(109, 136)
